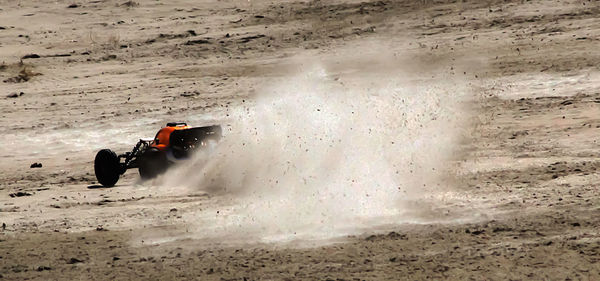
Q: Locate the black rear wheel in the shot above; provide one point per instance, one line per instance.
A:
(107, 167)
(152, 163)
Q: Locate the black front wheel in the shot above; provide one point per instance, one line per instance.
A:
(107, 167)
(152, 163)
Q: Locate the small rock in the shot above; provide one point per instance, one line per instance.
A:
(31, 56)
(74, 261)
(108, 57)
(500, 229)
(15, 95)
(19, 194)
(396, 235)
(567, 102)
(36, 165)
(199, 41)
(130, 4)
(72, 6)
(371, 238)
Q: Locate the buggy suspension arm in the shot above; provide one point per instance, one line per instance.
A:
(132, 156)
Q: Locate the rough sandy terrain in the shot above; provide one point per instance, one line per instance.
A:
(521, 200)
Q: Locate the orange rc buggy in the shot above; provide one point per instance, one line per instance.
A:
(152, 157)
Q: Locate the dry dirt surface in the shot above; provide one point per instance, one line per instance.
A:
(521, 199)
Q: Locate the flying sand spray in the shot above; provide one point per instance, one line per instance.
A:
(314, 157)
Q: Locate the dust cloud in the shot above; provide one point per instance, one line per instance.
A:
(323, 153)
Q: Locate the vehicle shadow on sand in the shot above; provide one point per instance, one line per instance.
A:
(96, 186)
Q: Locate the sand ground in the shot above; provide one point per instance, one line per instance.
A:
(97, 74)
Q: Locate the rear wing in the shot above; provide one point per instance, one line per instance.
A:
(214, 131)
(181, 138)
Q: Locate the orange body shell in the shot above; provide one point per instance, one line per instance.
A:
(161, 141)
